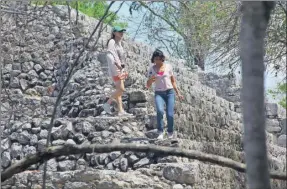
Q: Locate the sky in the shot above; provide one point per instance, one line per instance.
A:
(270, 79)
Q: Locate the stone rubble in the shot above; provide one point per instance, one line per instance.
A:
(206, 120)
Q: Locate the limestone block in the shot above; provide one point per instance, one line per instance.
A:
(272, 110)
(137, 96)
(281, 112)
(181, 173)
(273, 129)
(271, 123)
(282, 140)
(27, 66)
(102, 57)
(273, 126)
(16, 66)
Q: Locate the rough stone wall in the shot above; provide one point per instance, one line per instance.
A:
(276, 122)
(204, 121)
(226, 87)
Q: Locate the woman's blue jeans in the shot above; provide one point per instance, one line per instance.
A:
(168, 98)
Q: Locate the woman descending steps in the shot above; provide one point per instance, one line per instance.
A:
(161, 74)
(116, 64)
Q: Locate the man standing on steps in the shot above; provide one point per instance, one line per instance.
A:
(116, 64)
(165, 88)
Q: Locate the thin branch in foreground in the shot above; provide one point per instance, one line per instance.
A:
(1, 63)
(75, 63)
(68, 149)
(61, 92)
(161, 17)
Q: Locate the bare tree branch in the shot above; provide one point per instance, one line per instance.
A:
(136, 33)
(69, 11)
(56, 151)
(77, 9)
(161, 17)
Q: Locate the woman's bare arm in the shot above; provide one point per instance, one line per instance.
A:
(173, 82)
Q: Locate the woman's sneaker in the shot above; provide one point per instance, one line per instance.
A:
(170, 135)
(160, 136)
(124, 113)
(107, 108)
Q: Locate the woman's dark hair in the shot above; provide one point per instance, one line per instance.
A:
(157, 53)
(112, 37)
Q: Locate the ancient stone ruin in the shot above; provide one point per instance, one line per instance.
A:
(40, 53)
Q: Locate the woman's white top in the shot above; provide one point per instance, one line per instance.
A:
(117, 51)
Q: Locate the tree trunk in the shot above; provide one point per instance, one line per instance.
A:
(253, 28)
(199, 60)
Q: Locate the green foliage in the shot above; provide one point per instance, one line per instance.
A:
(280, 92)
(210, 30)
(95, 9)
(191, 30)
(206, 23)
(276, 38)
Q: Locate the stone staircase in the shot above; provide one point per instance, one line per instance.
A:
(193, 132)
(103, 130)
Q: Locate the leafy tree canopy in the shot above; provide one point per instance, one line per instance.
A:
(280, 93)
(95, 9)
(208, 32)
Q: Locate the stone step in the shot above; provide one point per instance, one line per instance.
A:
(206, 134)
(203, 175)
(104, 130)
(191, 86)
(88, 179)
(219, 148)
(210, 116)
(158, 176)
(213, 117)
(200, 132)
(184, 72)
(196, 131)
(128, 126)
(277, 151)
(199, 98)
(185, 82)
(277, 162)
